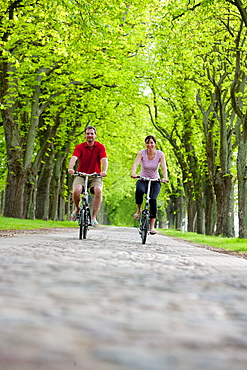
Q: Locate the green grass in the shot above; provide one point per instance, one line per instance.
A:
(7, 223)
(231, 244)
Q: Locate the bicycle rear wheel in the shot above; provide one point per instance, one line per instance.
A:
(144, 227)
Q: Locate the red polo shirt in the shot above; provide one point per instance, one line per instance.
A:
(90, 157)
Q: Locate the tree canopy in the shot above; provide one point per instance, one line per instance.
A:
(175, 69)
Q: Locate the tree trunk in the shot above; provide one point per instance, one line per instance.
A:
(54, 198)
(192, 215)
(16, 177)
(29, 202)
(200, 214)
(55, 188)
(224, 204)
(171, 212)
(14, 195)
(61, 208)
(209, 208)
(242, 190)
(180, 209)
(43, 189)
(2, 201)
(19, 156)
(57, 203)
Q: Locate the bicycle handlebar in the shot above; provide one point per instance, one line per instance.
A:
(77, 173)
(146, 178)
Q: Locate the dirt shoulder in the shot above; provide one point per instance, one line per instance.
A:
(14, 233)
(43, 230)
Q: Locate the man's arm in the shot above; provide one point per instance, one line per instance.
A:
(104, 166)
(71, 164)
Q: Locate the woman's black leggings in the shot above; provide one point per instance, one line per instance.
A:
(141, 188)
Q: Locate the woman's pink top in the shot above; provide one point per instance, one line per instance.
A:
(150, 167)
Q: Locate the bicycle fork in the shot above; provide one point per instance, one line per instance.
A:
(145, 213)
(84, 201)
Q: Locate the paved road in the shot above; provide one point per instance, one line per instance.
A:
(111, 303)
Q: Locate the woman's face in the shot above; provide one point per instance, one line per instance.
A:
(150, 144)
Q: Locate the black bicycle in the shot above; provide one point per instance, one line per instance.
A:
(84, 214)
(145, 215)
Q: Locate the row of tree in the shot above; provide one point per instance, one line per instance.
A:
(199, 88)
(64, 65)
(169, 68)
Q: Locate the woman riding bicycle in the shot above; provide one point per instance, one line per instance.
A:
(150, 159)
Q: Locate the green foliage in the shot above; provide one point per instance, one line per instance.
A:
(121, 213)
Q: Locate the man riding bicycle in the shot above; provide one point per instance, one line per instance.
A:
(92, 157)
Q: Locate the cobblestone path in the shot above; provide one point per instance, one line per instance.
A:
(111, 303)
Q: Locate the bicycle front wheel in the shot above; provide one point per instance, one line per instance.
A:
(83, 224)
(144, 227)
(86, 222)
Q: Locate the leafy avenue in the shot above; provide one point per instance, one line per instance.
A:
(175, 69)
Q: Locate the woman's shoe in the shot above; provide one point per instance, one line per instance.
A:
(137, 216)
(73, 217)
(152, 232)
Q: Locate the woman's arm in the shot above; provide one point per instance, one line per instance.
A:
(164, 168)
(136, 164)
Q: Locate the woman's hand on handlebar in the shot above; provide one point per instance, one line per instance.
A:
(71, 171)
(164, 180)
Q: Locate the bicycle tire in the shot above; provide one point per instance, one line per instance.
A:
(86, 223)
(81, 223)
(144, 227)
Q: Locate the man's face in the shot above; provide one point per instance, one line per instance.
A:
(90, 135)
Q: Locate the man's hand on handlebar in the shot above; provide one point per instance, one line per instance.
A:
(77, 173)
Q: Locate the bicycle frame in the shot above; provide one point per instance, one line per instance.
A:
(85, 191)
(148, 192)
(145, 216)
(84, 215)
